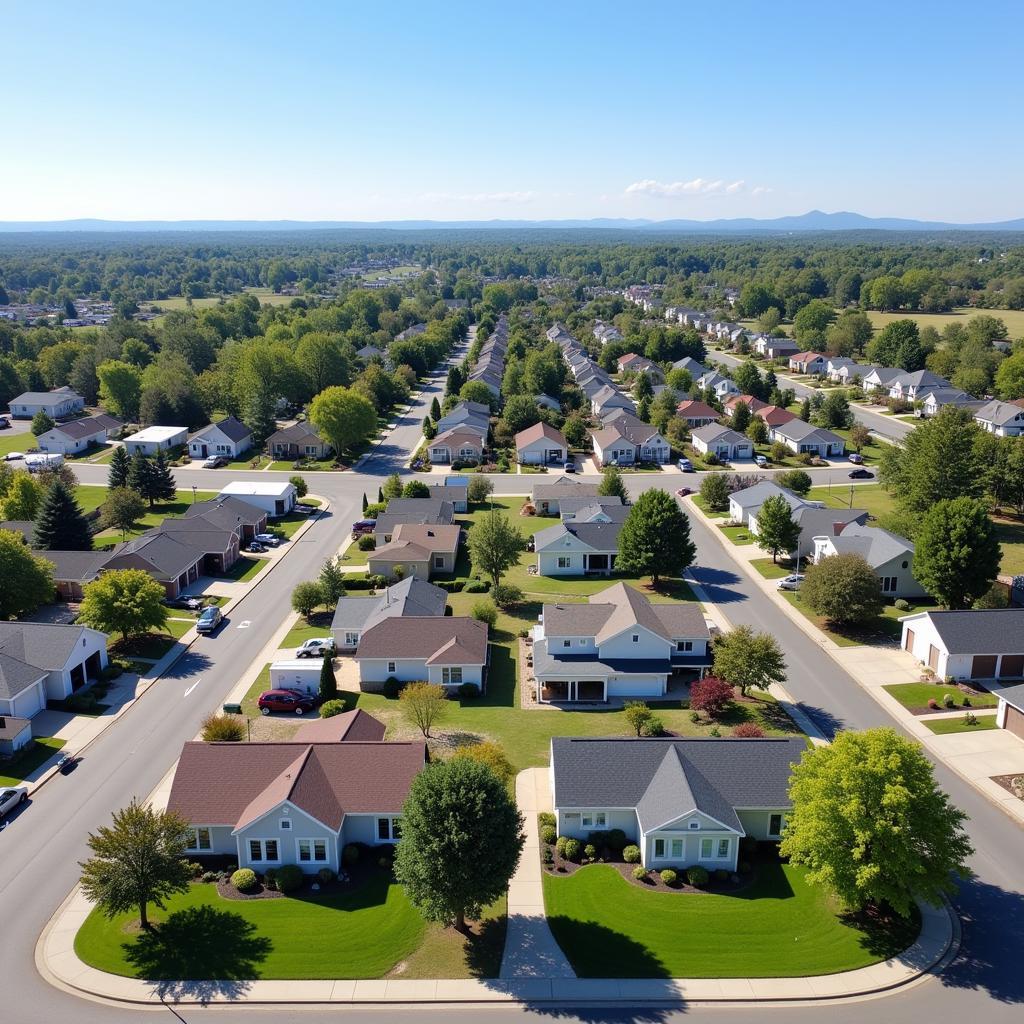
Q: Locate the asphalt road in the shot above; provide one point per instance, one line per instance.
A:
(41, 846)
(887, 426)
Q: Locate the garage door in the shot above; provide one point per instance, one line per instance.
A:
(983, 666)
(1015, 722)
(1012, 666)
(29, 703)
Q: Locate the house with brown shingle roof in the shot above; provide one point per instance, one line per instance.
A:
(450, 650)
(421, 549)
(541, 445)
(697, 413)
(268, 804)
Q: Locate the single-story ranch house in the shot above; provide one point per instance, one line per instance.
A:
(227, 437)
(155, 439)
(354, 615)
(421, 550)
(682, 801)
(799, 436)
(79, 435)
(540, 445)
(974, 644)
(56, 404)
(577, 547)
(547, 495)
(299, 441)
(276, 498)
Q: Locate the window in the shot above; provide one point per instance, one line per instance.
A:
(594, 819)
(659, 847)
(312, 851)
(636, 638)
(723, 848)
(706, 845)
(775, 826)
(311, 449)
(564, 561)
(286, 825)
(389, 829)
(351, 639)
(684, 646)
(888, 584)
(693, 824)
(567, 643)
(438, 561)
(200, 839)
(677, 849)
(451, 676)
(391, 668)
(263, 849)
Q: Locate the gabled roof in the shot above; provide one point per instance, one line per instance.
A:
(596, 536)
(979, 630)
(774, 415)
(711, 433)
(163, 555)
(433, 511)
(29, 650)
(51, 398)
(797, 429)
(574, 504)
(227, 512)
(626, 425)
(297, 433)
(232, 429)
(234, 783)
(693, 409)
(415, 637)
(875, 545)
(349, 725)
(1000, 413)
(752, 403)
(805, 357)
(87, 426)
(539, 431)
(458, 435)
(564, 486)
(717, 774)
(757, 494)
(428, 536)
(75, 566)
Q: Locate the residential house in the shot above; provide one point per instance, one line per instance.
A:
(420, 549)
(774, 416)
(420, 511)
(275, 497)
(410, 596)
(541, 445)
(719, 385)
(546, 496)
(72, 570)
(974, 644)
(807, 362)
(935, 400)
(890, 555)
(547, 402)
(227, 437)
(460, 444)
(469, 415)
(577, 547)
(369, 352)
(454, 489)
(633, 363)
(880, 378)
(267, 804)
(684, 802)
(411, 332)
(692, 367)
(151, 440)
(1010, 710)
(174, 560)
(355, 725)
(837, 363)
(299, 441)
(56, 404)
(1004, 419)
(41, 661)
(851, 373)
(624, 440)
(775, 348)
(907, 386)
(606, 333)
(697, 413)
(448, 649)
(608, 398)
(618, 644)
(15, 734)
(753, 404)
(76, 436)
(800, 436)
(569, 508)
(723, 442)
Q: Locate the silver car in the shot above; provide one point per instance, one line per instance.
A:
(791, 582)
(11, 798)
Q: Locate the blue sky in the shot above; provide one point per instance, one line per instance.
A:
(318, 110)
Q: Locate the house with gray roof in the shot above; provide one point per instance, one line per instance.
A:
(76, 436)
(935, 400)
(890, 555)
(608, 398)
(354, 615)
(587, 507)
(228, 437)
(415, 511)
(41, 661)
(986, 644)
(682, 801)
(800, 436)
(908, 386)
(56, 404)
(692, 367)
(299, 441)
(546, 496)
(1004, 419)
(576, 547)
(617, 645)
(624, 439)
(1010, 710)
(469, 415)
(723, 442)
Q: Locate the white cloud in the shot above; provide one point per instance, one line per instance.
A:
(695, 187)
(480, 197)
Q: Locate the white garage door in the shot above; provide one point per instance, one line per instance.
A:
(636, 686)
(29, 703)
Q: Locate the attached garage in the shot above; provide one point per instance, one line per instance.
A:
(1014, 721)
(1012, 666)
(1010, 714)
(29, 702)
(983, 666)
(981, 644)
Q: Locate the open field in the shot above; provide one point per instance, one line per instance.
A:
(266, 296)
(1013, 318)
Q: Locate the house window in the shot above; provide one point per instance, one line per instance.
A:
(567, 643)
(564, 561)
(312, 851)
(723, 848)
(636, 638)
(200, 839)
(286, 825)
(452, 676)
(693, 825)
(684, 645)
(594, 819)
(392, 668)
(351, 639)
(706, 846)
(888, 584)
(677, 849)
(775, 826)
(438, 561)
(263, 850)
(310, 449)
(659, 848)
(389, 829)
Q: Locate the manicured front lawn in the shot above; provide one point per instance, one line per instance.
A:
(946, 726)
(303, 631)
(915, 696)
(873, 497)
(179, 627)
(200, 935)
(91, 496)
(771, 570)
(287, 526)
(699, 502)
(18, 769)
(778, 927)
(1011, 537)
(150, 645)
(738, 535)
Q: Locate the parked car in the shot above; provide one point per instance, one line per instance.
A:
(317, 647)
(284, 700)
(760, 461)
(270, 539)
(214, 462)
(209, 619)
(856, 459)
(11, 798)
(192, 604)
(14, 456)
(684, 491)
(5, 423)
(256, 548)
(363, 528)
(861, 474)
(68, 763)
(791, 582)
(570, 466)
(685, 465)
(305, 510)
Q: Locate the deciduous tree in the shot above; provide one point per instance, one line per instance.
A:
(637, 714)
(714, 492)
(776, 530)
(307, 597)
(344, 416)
(843, 589)
(125, 601)
(494, 545)
(749, 660)
(26, 580)
(423, 705)
(655, 538)
(612, 484)
(122, 510)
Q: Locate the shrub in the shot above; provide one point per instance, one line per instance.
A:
(640, 873)
(598, 838)
(560, 845)
(590, 851)
(721, 875)
(710, 695)
(901, 605)
(223, 729)
(325, 876)
(547, 818)
(195, 868)
(244, 880)
(949, 700)
(573, 850)
(748, 730)
(933, 704)
(548, 834)
(270, 878)
(715, 731)
(694, 716)
(468, 691)
(669, 877)
(350, 854)
(547, 856)
(970, 718)
(631, 854)
(289, 877)
(366, 543)
(209, 876)
(330, 708)
(506, 595)
(485, 611)
(392, 688)
(81, 701)
(697, 876)
(653, 727)
(617, 839)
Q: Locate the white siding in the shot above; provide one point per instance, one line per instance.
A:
(408, 670)
(648, 645)
(637, 686)
(470, 674)
(569, 821)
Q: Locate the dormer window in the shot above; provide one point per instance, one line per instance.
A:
(636, 638)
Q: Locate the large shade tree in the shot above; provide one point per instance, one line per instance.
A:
(345, 417)
(843, 589)
(125, 601)
(655, 538)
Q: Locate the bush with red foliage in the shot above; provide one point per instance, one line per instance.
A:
(748, 731)
(710, 695)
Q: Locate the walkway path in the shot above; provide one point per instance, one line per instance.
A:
(530, 948)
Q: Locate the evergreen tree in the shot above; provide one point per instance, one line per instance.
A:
(328, 682)
(163, 479)
(120, 467)
(41, 423)
(740, 417)
(392, 487)
(61, 526)
(655, 538)
(140, 477)
(365, 502)
(435, 410)
(805, 410)
(612, 485)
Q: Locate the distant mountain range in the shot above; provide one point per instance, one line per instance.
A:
(815, 220)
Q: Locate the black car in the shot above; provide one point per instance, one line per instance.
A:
(861, 474)
(192, 604)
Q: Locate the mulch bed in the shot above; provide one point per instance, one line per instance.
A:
(357, 875)
(1006, 781)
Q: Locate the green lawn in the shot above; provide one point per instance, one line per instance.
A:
(91, 496)
(201, 936)
(286, 527)
(873, 497)
(15, 771)
(946, 726)
(1011, 537)
(151, 645)
(872, 451)
(917, 695)
(245, 569)
(179, 627)
(699, 502)
(11, 442)
(267, 297)
(738, 535)
(778, 927)
(1013, 318)
(771, 570)
(303, 631)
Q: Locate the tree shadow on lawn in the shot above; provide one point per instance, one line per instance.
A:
(599, 952)
(200, 952)
(485, 945)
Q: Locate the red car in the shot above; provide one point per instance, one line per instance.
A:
(284, 700)
(684, 491)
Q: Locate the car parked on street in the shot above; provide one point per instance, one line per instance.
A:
(209, 619)
(791, 582)
(684, 491)
(284, 700)
(861, 474)
(11, 798)
(316, 647)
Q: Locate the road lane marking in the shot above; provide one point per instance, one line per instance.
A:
(193, 686)
(244, 624)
